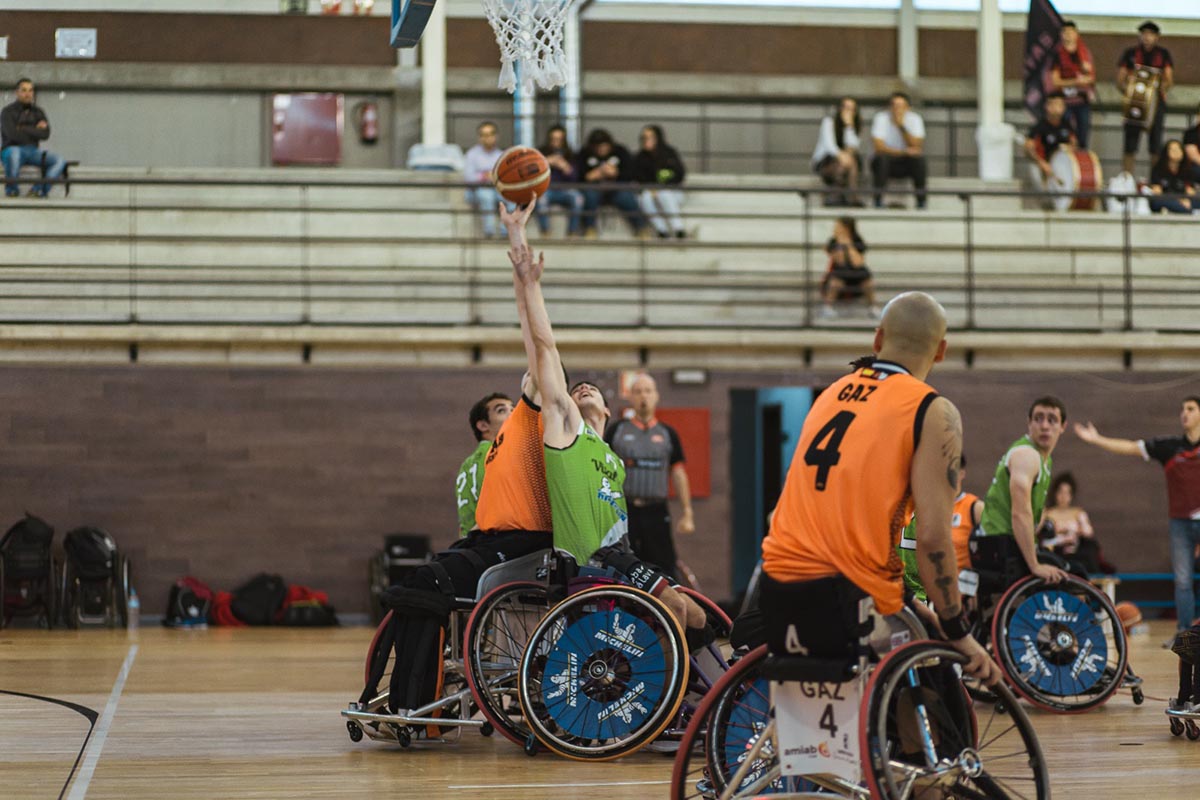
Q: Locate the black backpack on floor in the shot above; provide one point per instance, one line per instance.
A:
(259, 600)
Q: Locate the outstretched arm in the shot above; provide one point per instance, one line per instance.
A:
(1122, 447)
(514, 223)
(560, 416)
(1023, 466)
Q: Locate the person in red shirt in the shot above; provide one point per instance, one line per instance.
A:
(1146, 53)
(1074, 74)
(1180, 459)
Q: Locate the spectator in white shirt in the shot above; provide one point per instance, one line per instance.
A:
(836, 158)
(899, 137)
(478, 170)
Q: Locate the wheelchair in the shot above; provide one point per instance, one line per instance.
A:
(483, 646)
(27, 573)
(916, 729)
(1060, 646)
(535, 670)
(95, 593)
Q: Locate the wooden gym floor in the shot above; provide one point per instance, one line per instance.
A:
(254, 714)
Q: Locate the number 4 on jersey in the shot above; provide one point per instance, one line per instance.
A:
(823, 452)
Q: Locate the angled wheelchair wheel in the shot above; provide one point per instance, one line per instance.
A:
(1061, 646)
(603, 674)
(494, 641)
(920, 737)
(725, 728)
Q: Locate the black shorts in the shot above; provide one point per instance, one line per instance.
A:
(824, 613)
(851, 276)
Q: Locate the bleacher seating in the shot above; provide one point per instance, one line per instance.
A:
(304, 249)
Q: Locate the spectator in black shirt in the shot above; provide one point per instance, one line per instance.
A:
(23, 127)
(1191, 148)
(1180, 458)
(559, 156)
(658, 165)
(1051, 132)
(848, 275)
(1145, 53)
(1170, 181)
(604, 161)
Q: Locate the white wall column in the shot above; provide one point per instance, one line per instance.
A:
(906, 42)
(570, 94)
(433, 78)
(994, 137)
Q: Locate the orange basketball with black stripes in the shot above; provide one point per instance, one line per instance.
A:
(521, 174)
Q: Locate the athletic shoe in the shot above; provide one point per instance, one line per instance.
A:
(826, 312)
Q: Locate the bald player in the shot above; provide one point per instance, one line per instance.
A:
(652, 454)
(875, 444)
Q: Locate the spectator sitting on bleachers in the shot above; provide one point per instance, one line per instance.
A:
(837, 156)
(604, 161)
(23, 127)
(658, 165)
(1191, 148)
(1068, 530)
(1051, 132)
(1170, 176)
(847, 276)
(479, 162)
(899, 138)
(562, 170)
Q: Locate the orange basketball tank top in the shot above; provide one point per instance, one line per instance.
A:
(847, 492)
(513, 496)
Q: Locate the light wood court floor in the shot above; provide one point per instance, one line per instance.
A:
(254, 714)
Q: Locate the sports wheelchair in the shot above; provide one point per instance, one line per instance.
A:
(913, 734)
(1060, 646)
(594, 677)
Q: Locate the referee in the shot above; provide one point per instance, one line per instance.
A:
(651, 450)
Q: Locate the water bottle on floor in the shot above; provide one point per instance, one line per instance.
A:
(135, 610)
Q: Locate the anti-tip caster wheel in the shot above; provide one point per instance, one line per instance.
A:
(1176, 727)
(487, 729)
(1138, 697)
(404, 737)
(531, 746)
(1193, 731)
(356, 733)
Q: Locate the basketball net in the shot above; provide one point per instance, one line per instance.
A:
(530, 35)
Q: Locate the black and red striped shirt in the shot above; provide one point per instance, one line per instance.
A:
(1180, 458)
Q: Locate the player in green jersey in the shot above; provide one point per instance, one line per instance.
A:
(1014, 502)
(485, 418)
(584, 477)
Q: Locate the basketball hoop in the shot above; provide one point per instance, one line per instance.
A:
(530, 35)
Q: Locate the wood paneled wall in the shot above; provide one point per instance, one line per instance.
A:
(222, 473)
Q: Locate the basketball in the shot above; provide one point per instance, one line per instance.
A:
(1129, 613)
(521, 174)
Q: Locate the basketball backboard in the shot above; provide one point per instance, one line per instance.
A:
(409, 18)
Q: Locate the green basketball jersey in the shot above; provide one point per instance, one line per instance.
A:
(466, 486)
(997, 506)
(586, 482)
(908, 554)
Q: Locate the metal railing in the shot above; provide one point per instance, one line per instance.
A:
(768, 141)
(410, 253)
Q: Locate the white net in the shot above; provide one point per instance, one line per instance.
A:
(530, 35)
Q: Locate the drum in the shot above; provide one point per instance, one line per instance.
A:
(1075, 170)
(1141, 96)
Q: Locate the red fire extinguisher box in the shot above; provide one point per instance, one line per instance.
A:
(306, 128)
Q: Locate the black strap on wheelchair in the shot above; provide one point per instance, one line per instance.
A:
(407, 605)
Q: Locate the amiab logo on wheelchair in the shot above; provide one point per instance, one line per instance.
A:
(890, 720)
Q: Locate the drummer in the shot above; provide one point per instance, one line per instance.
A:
(1052, 131)
(1146, 53)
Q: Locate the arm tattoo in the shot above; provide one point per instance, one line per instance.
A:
(943, 581)
(952, 446)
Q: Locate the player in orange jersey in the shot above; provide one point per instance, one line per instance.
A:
(875, 444)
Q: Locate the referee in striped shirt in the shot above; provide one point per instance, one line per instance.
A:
(651, 451)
